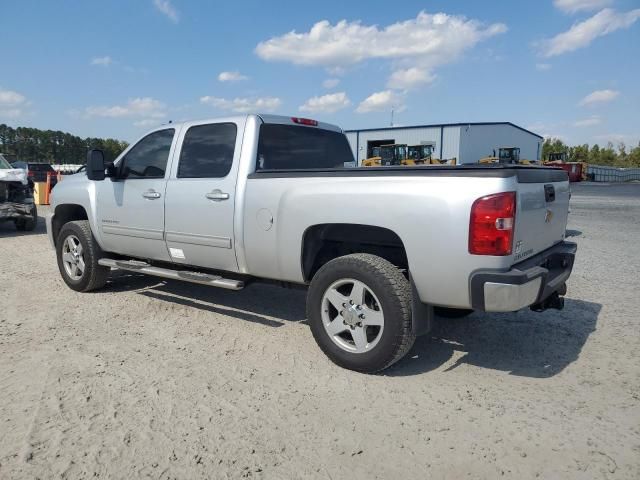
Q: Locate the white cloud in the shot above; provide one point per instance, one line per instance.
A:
(102, 61)
(543, 66)
(12, 103)
(147, 123)
(599, 97)
(145, 107)
(381, 101)
(588, 122)
(167, 9)
(243, 105)
(409, 78)
(331, 82)
(231, 77)
(573, 6)
(616, 138)
(10, 113)
(426, 42)
(9, 98)
(581, 34)
(326, 103)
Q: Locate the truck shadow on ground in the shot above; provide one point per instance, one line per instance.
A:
(264, 304)
(525, 343)
(8, 229)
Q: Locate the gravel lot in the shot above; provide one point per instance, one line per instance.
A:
(159, 379)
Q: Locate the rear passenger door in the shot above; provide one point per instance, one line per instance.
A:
(201, 193)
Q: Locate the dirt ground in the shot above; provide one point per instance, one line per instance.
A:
(148, 378)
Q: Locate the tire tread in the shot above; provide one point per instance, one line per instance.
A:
(98, 274)
(397, 286)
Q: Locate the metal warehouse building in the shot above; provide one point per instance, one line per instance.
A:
(467, 142)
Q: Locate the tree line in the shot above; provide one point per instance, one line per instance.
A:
(607, 155)
(52, 146)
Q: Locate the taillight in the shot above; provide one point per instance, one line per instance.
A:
(491, 224)
(30, 173)
(305, 121)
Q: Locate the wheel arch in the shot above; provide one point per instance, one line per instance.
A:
(326, 241)
(65, 213)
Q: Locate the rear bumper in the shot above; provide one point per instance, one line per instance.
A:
(528, 283)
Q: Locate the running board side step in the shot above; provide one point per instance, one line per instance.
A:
(184, 275)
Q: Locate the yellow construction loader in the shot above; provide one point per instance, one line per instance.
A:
(395, 154)
(510, 155)
(401, 154)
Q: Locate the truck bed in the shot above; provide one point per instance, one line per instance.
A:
(524, 173)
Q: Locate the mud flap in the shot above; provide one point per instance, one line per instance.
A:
(421, 313)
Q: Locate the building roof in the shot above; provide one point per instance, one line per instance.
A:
(438, 125)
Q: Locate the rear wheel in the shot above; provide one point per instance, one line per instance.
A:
(78, 254)
(359, 310)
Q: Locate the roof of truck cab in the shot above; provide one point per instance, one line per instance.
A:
(265, 117)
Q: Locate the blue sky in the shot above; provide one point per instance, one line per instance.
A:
(566, 68)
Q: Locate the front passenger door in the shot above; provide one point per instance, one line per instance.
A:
(131, 206)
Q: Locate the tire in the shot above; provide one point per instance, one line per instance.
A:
(28, 224)
(92, 276)
(452, 312)
(383, 311)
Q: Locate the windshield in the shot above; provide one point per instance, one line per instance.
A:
(286, 147)
(3, 163)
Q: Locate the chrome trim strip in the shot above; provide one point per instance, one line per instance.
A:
(132, 232)
(195, 239)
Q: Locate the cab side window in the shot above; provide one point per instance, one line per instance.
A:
(207, 151)
(148, 158)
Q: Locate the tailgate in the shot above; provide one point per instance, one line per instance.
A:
(541, 217)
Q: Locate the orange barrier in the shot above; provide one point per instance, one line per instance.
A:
(47, 191)
(40, 193)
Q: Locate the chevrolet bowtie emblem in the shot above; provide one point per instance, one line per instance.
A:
(548, 216)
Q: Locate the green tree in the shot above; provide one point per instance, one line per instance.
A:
(34, 145)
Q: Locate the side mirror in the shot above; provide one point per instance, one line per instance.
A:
(95, 165)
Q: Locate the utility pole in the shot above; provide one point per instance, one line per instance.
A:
(392, 109)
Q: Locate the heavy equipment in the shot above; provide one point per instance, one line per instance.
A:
(422, 153)
(558, 157)
(505, 155)
(385, 155)
(402, 154)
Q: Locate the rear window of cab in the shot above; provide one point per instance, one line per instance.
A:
(291, 147)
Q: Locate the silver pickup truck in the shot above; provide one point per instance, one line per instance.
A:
(260, 197)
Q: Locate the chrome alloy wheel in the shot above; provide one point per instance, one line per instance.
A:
(73, 258)
(352, 315)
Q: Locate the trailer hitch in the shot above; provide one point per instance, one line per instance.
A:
(554, 301)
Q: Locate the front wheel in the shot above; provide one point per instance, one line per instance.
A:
(78, 254)
(359, 310)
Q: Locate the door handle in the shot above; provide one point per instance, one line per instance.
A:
(151, 194)
(217, 195)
